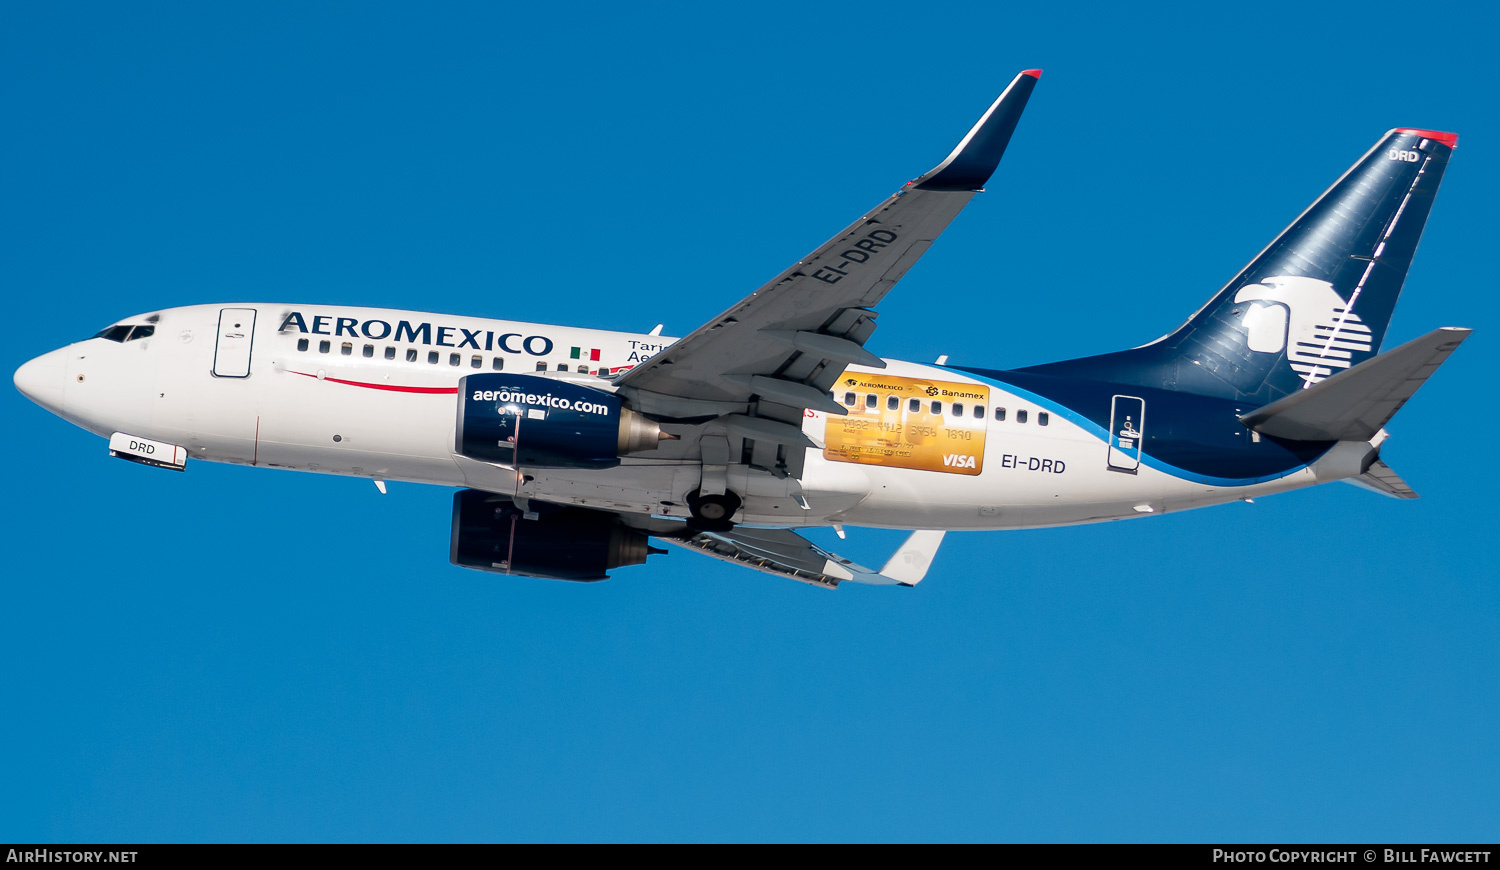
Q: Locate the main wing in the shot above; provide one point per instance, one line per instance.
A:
(753, 370)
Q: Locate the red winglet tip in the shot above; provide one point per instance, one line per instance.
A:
(1034, 73)
(1449, 139)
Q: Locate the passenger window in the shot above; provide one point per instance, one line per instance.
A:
(454, 359)
(1043, 418)
(1021, 416)
(541, 366)
(390, 353)
(301, 344)
(498, 363)
(346, 348)
(323, 346)
(849, 399)
(893, 403)
(937, 407)
(369, 351)
(411, 354)
(432, 357)
(978, 412)
(870, 400)
(999, 415)
(914, 406)
(477, 362)
(958, 409)
(562, 367)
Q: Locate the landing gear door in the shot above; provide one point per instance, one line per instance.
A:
(236, 334)
(1127, 426)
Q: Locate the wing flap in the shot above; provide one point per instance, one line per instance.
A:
(785, 553)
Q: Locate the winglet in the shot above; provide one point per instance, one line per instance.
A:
(911, 562)
(974, 160)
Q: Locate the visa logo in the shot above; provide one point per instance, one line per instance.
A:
(955, 460)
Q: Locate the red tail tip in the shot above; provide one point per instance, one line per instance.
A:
(1034, 73)
(1449, 139)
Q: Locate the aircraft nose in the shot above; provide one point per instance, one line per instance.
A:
(41, 380)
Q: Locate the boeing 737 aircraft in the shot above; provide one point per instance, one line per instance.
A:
(573, 447)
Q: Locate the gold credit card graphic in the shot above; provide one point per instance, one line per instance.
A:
(909, 423)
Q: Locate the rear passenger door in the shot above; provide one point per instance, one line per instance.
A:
(1127, 428)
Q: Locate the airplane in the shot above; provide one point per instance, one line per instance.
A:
(574, 449)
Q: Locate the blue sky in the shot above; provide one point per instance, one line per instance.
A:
(236, 654)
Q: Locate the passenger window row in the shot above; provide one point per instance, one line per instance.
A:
(475, 361)
(956, 409)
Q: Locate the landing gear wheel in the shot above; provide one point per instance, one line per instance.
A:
(712, 513)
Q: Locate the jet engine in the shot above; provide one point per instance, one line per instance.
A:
(551, 423)
(490, 533)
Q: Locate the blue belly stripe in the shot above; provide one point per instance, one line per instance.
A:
(1055, 407)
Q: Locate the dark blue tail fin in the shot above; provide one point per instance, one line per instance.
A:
(1316, 301)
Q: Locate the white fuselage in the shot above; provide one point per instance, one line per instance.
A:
(371, 393)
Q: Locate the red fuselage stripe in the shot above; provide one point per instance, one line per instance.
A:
(394, 388)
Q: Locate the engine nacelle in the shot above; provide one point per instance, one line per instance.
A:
(562, 543)
(556, 424)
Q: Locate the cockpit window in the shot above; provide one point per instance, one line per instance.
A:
(114, 333)
(125, 332)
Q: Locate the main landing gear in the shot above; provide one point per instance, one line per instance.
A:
(712, 513)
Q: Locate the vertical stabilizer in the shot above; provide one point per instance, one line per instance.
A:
(1314, 302)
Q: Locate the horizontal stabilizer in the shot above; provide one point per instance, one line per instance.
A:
(785, 553)
(1380, 478)
(1354, 404)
